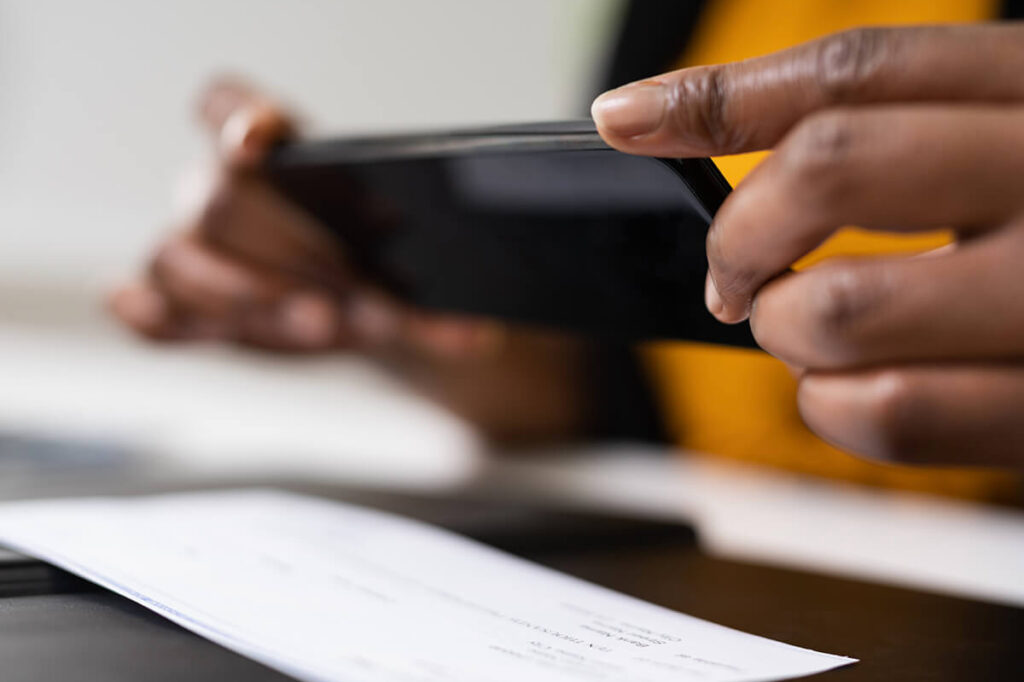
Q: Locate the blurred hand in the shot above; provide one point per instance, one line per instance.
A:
(916, 359)
(248, 267)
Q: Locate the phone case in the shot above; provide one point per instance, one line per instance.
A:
(524, 256)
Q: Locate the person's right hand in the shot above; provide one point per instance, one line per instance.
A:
(246, 266)
(904, 129)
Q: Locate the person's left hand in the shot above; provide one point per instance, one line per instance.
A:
(916, 359)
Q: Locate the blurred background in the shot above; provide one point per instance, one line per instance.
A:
(97, 122)
(96, 117)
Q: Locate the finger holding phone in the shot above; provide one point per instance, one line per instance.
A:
(911, 129)
(246, 266)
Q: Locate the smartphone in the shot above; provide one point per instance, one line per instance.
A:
(538, 224)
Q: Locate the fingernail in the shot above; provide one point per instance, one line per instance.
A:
(712, 299)
(308, 320)
(375, 321)
(632, 110)
(241, 138)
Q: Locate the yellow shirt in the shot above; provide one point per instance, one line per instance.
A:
(742, 404)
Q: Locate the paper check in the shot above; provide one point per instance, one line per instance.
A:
(330, 592)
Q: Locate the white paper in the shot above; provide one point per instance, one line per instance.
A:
(331, 592)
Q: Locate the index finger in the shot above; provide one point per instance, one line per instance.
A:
(750, 105)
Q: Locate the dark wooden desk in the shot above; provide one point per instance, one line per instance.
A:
(87, 634)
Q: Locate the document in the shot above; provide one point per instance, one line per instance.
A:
(330, 592)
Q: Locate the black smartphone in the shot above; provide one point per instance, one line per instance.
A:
(540, 224)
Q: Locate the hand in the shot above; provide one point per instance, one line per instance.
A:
(248, 267)
(916, 359)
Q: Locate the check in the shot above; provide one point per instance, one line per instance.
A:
(331, 592)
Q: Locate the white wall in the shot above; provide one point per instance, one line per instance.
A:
(95, 96)
(96, 120)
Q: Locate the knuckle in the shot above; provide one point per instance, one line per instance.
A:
(841, 307)
(826, 318)
(897, 411)
(817, 154)
(846, 63)
(701, 105)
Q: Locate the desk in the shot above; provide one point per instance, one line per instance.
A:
(68, 374)
(87, 634)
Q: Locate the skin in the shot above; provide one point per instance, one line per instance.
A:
(914, 359)
(244, 266)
